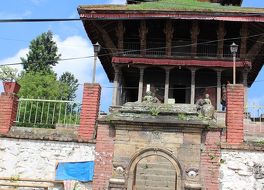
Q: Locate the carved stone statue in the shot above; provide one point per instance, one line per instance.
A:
(205, 107)
(150, 98)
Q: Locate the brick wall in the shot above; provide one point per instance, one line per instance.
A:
(8, 110)
(210, 159)
(235, 113)
(90, 110)
(104, 156)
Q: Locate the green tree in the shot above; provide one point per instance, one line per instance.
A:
(42, 55)
(39, 85)
(71, 82)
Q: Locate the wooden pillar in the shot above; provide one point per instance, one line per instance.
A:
(194, 36)
(243, 46)
(143, 30)
(193, 70)
(218, 90)
(245, 83)
(120, 36)
(140, 84)
(116, 86)
(220, 37)
(168, 30)
(167, 85)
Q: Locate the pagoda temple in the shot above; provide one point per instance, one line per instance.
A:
(163, 57)
(181, 49)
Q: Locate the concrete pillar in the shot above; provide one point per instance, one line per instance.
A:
(90, 110)
(218, 90)
(245, 83)
(193, 70)
(116, 86)
(167, 85)
(140, 84)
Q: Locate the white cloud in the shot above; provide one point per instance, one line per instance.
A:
(74, 47)
(25, 14)
(117, 2)
(37, 2)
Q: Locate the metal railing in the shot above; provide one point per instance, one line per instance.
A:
(47, 113)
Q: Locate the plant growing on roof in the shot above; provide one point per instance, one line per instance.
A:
(8, 74)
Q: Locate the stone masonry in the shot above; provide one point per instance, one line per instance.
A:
(36, 159)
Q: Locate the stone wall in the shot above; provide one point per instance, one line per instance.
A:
(36, 159)
(242, 169)
(184, 146)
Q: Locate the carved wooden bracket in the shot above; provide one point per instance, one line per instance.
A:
(106, 38)
(255, 49)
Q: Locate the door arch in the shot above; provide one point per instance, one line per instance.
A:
(131, 169)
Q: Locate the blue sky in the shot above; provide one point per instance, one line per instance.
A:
(71, 39)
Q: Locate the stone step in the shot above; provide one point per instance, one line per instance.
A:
(154, 188)
(159, 172)
(153, 183)
(155, 178)
(155, 165)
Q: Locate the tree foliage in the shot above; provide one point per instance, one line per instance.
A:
(42, 55)
(71, 82)
(45, 86)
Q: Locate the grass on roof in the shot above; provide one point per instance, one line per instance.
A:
(177, 5)
(182, 5)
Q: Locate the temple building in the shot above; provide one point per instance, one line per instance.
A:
(172, 62)
(182, 51)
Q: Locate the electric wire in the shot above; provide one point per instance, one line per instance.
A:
(146, 49)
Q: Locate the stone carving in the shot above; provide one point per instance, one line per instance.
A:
(205, 107)
(150, 98)
(119, 171)
(192, 172)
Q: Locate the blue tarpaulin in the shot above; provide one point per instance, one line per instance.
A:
(80, 171)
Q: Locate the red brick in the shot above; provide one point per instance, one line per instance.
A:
(235, 114)
(8, 110)
(90, 110)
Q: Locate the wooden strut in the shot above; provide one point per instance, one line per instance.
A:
(106, 38)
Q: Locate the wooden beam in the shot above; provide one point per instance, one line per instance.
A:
(168, 31)
(106, 38)
(243, 46)
(220, 36)
(143, 30)
(195, 30)
(120, 35)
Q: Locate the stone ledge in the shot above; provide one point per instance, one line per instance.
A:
(58, 134)
(244, 146)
